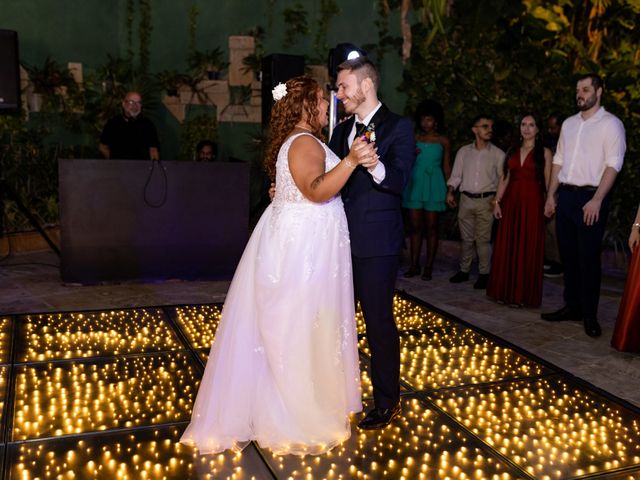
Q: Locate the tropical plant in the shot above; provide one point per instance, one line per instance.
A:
(328, 10)
(295, 18)
(207, 64)
(55, 83)
(171, 81)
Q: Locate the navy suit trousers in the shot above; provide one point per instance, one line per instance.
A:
(580, 247)
(374, 284)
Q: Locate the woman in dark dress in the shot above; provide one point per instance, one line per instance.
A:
(626, 334)
(518, 252)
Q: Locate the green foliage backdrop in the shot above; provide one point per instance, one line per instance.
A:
(498, 56)
(505, 58)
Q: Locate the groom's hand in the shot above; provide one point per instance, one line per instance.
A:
(364, 153)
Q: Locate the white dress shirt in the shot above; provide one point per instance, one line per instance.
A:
(587, 147)
(378, 172)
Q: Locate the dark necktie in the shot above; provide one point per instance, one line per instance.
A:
(360, 128)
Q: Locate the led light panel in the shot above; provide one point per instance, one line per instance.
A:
(92, 334)
(198, 322)
(420, 444)
(548, 427)
(452, 357)
(76, 397)
(146, 454)
(5, 339)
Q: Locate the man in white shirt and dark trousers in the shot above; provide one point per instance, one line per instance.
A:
(476, 171)
(590, 154)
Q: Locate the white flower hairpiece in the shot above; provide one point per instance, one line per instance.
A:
(279, 91)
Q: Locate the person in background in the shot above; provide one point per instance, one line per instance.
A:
(426, 192)
(552, 263)
(626, 333)
(518, 251)
(590, 154)
(476, 171)
(206, 151)
(130, 135)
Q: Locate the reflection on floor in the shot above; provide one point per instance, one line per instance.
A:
(107, 394)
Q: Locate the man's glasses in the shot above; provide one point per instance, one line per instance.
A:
(133, 102)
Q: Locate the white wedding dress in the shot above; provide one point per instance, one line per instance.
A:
(283, 368)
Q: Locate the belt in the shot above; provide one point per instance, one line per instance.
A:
(479, 195)
(576, 188)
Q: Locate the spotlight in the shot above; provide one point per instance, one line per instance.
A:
(342, 52)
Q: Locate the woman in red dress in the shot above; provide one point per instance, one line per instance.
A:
(626, 334)
(518, 252)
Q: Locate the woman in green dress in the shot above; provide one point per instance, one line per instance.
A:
(425, 193)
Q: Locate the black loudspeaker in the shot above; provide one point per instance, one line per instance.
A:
(9, 71)
(277, 68)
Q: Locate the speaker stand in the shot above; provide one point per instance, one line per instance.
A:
(9, 194)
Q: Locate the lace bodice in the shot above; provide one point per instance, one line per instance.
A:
(286, 189)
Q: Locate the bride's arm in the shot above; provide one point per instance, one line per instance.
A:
(306, 164)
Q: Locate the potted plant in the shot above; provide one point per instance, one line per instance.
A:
(171, 81)
(50, 84)
(207, 64)
(253, 63)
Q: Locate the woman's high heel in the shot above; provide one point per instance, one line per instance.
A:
(426, 275)
(412, 272)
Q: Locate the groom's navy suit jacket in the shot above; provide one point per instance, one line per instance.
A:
(374, 210)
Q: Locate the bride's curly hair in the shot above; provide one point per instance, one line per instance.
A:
(302, 96)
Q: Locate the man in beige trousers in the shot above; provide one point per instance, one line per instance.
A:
(476, 171)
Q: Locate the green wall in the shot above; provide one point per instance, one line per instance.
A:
(87, 30)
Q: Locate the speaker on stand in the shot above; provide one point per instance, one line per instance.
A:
(276, 68)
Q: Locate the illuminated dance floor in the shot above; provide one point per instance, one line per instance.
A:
(107, 394)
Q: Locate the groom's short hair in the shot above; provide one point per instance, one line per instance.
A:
(362, 67)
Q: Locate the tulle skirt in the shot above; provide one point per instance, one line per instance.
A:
(283, 368)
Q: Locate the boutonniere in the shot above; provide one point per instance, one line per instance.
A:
(369, 133)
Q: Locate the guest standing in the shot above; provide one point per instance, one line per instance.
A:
(626, 334)
(589, 156)
(518, 253)
(426, 192)
(476, 171)
(552, 261)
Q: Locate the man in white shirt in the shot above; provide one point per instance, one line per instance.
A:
(589, 156)
(476, 171)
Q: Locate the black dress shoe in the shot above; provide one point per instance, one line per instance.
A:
(481, 282)
(379, 417)
(564, 314)
(460, 277)
(592, 327)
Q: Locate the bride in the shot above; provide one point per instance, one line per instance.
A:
(283, 368)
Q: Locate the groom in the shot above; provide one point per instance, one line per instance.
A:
(372, 202)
